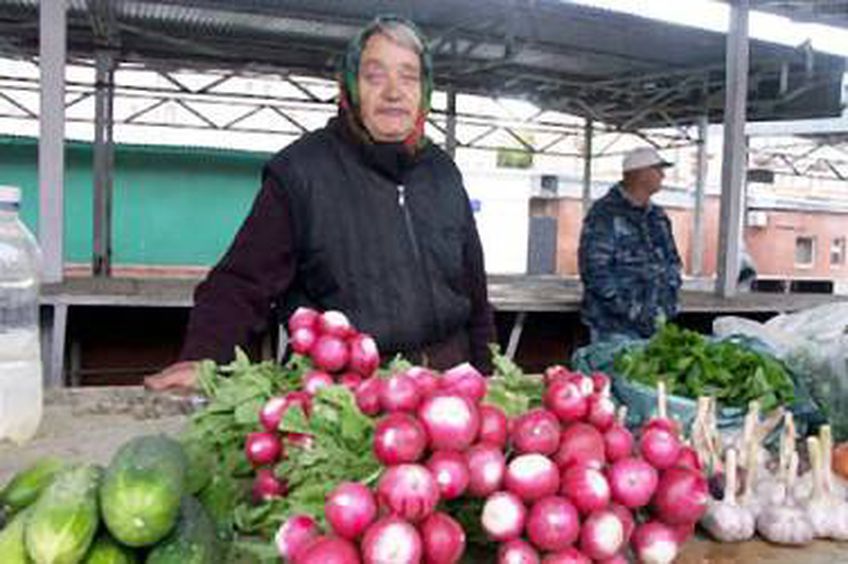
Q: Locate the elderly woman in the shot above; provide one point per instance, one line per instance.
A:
(366, 216)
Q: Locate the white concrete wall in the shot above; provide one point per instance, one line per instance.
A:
(501, 199)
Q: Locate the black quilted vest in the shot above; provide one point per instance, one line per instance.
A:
(386, 251)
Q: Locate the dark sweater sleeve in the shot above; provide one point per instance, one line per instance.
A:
(233, 304)
(481, 325)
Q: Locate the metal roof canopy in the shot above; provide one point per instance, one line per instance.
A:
(827, 12)
(611, 67)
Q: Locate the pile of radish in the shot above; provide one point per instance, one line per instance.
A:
(339, 352)
(563, 482)
(341, 355)
(436, 441)
(578, 487)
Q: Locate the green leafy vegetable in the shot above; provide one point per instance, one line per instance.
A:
(693, 366)
(510, 389)
(341, 448)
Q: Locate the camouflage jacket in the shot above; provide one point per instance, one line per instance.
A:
(629, 266)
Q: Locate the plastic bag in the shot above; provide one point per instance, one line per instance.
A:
(813, 344)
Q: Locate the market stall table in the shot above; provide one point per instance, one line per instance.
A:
(518, 297)
(89, 424)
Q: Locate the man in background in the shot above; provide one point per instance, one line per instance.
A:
(628, 260)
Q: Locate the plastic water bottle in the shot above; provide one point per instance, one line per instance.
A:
(21, 378)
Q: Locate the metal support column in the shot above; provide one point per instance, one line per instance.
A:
(587, 165)
(697, 264)
(733, 165)
(51, 139)
(450, 129)
(103, 163)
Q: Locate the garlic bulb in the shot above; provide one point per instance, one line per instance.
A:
(834, 486)
(749, 499)
(786, 523)
(827, 513)
(818, 506)
(726, 520)
(770, 490)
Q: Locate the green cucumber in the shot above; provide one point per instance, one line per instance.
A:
(12, 545)
(62, 523)
(106, 550)
(141, 491)
(193, 540)
(25, 487)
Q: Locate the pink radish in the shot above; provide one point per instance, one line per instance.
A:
(350, 380)
(568, 555)
(486, 468)
(584, 383)
(688, 458)
(364, 355)
(659, 447)
(302, 340)
(503, 516)
(464, 380)
(299, 440)
(399, 393)
(632, 482)
(443, 539)
(517, 551)
(450, 472)
(586, 488)
(626, 518)
(494, 425)
(263, 448)
(327, 550)
(408, 491)
(566, 401)
(293, 534)
(391, 539)
(330, 353)
(266, 486)
(580, 443)
(531, 477)
(654, 543)
(314, 380)
(368, 396)
(399, 438)
(602, 535)
(426, 380)
(601, 411)
(334, 323)
(681, 496)
(538, 430)
(556, 372)
(600, 382)
(350, 509)
(303, 317)
(552, 524)
(452, 422)
(275, 409)
(615, 559)
(618, 442)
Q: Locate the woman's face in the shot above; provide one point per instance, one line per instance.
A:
(389, 83)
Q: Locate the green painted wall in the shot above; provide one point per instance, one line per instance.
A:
(171, 205)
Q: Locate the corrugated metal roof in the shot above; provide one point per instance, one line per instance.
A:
(614, 67)
(828, 12)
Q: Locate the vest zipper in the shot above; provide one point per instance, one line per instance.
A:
(401, 190)
(435, 321)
